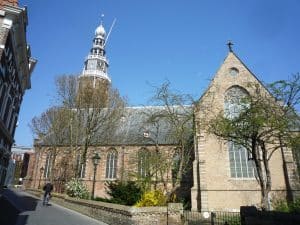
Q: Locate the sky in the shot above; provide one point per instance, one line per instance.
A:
(183, 41)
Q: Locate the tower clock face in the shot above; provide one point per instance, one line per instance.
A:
(92, 64)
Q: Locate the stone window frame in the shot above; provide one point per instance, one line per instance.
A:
(240, 165)
(111, 164)
(48, 165)
(143, 169)
(233, 71)
(82, 169)
(233, 98)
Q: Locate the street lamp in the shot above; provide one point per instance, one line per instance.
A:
(96, 158)
(41, 172)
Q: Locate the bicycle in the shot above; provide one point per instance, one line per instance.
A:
(46, 199)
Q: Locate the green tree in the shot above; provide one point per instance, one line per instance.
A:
(262, 126)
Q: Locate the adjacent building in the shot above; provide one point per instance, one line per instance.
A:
(16, 66)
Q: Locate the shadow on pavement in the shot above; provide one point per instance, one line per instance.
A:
(12, 205)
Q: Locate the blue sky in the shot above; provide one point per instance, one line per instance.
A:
(182, 41)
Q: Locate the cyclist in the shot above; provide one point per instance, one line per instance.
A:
(47, 188)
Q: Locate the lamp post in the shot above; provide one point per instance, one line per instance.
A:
(41, 172)
(96, 158)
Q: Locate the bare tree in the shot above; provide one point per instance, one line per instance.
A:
(85, 115)
(98, 113)
(173, 120)
(51, 128)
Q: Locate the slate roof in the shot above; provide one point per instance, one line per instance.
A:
(133, 128)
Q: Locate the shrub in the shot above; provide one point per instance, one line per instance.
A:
(152, 198)
(125, 193)
(75, 188)
(295, 206)
(280, 205)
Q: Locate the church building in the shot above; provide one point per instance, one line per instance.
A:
(221, 176)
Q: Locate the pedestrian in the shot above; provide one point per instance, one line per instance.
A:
(47, 192)
(20, 181)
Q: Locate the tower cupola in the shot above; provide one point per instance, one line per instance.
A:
(96, 65)
(100, 31)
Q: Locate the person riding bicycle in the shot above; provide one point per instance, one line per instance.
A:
(47, 188)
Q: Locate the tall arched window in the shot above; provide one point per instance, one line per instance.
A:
(175, 165)
(240, 165)
(80, 168)
(48, 165)
(143, 162)
(111, 164)
(234, 101)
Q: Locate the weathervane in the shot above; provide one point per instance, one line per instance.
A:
(229, 43)
(102, 16)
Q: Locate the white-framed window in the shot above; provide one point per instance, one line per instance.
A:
(111, 164)
(240, 164)
(48, 165)
(81, 168)
(143, 162)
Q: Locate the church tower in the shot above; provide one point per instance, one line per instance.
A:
(95, 72)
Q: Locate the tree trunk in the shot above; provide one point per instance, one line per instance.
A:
(267, 181)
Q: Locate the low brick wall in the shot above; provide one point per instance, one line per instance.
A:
(120, 214)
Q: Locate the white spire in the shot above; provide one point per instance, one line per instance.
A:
(96, 64)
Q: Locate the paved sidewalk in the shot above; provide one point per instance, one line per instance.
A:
(20, 208)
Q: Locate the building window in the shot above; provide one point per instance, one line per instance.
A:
(240, 165)
(2, 97)
(7, 110)
(12, 123)
(80, 168)
(48, 165)
(111, 164)
(143, 163)
(233, 71)
(175, 166)
(234, 101)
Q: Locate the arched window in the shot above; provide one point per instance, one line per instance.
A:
(111, 164)
(233, 71)
(234, 101)
(80, 168)
(143, 162)
(240, 165)
(48, 165)
(175, 166)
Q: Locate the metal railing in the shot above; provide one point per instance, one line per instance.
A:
(215, 218)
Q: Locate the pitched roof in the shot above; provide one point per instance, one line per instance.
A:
(134, 128)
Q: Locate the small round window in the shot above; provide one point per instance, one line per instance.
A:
(233, 71)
